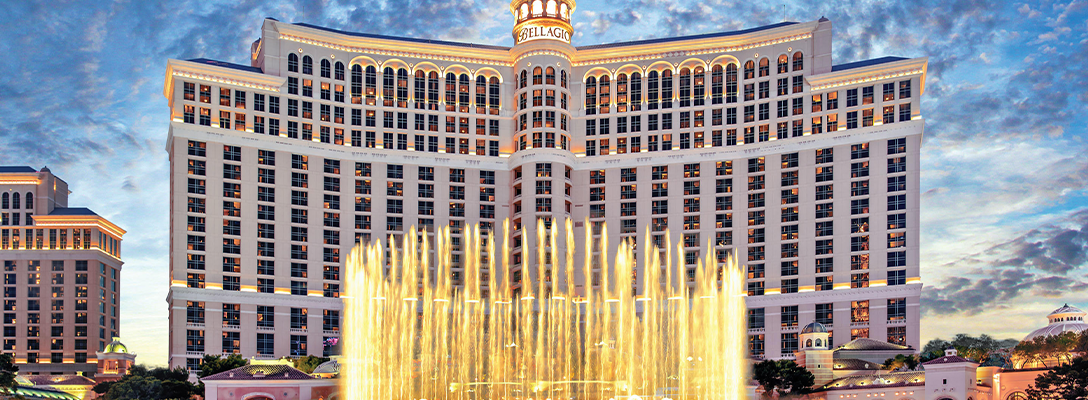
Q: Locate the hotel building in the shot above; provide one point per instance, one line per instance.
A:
(62, 268)
(753, 141)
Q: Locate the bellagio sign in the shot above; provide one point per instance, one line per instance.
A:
(530, 33)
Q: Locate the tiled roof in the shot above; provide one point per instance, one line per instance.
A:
(259, 372)
(225, 64)
(679, 38)
(866, 63)
(62, 380)
(853, 364)
(947, 360)
(32, 393)
(407, 39)
(16, 169)
(72, 211)
(870, 344)
(894, 379)
(1067, 309)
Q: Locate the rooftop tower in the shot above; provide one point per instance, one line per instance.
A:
(542, 20)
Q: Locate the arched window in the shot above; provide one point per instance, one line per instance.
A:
(420, 93)
(636, 91)
(4, 201)
(652, 90)
(564, 12)
(326, 69)
(523, 82)
(356, 84)
(749, 69)
(451, 91)
(524, 11)
(307, 65)
(819, 343)
(538, 76)
(603, 94)
(402, 87)
(731, 83)
(338, 71)
(463, 97)
(292, 62)
(808, 343)
(716, 79)
(591, 96)
(29, 200)
(15, 201)
(371, 84)
(563, 78)
(549, 76)
(798, 61)
(432, 91)
(666, 88)
(493, 95)
(621, 93)
(685, 87)
(699, 86)
(481, 94)
(764, 67)
(551, 9)
(538, 8)
(1017, 396)
(388, 91)
(783, 64)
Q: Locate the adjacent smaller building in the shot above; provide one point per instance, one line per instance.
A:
(113, 363)
(268, 380)
(854, 370)
(61, 278)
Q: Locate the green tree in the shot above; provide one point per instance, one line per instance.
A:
(983, 349)
(1066, 382)
(308, 363)
(8, 369)
(135, 387)
(214, 364)
(933, 349)
(142, 383)
(784, 377)
(901, 360)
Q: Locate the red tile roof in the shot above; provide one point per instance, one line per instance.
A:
(259, 372)
(948, 360)
(59, 380)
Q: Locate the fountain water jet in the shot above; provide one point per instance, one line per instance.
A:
(409, 334)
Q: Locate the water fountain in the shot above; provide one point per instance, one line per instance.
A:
(410, 334)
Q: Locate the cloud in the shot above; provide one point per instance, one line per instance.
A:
(1049, 261)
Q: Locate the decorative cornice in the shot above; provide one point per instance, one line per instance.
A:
(870, 78)
(853, 76)
(396, 53)
(696, 52)
(224, 80)
(542, 53)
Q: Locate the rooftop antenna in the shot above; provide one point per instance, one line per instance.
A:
(783, 12)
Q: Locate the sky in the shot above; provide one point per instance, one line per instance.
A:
(1004, 155)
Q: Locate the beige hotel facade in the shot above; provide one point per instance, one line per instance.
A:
(62, 275)
(753, 141)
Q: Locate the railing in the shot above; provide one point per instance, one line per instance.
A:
(298, 330)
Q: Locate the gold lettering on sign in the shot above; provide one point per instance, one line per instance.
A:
(530, 33)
